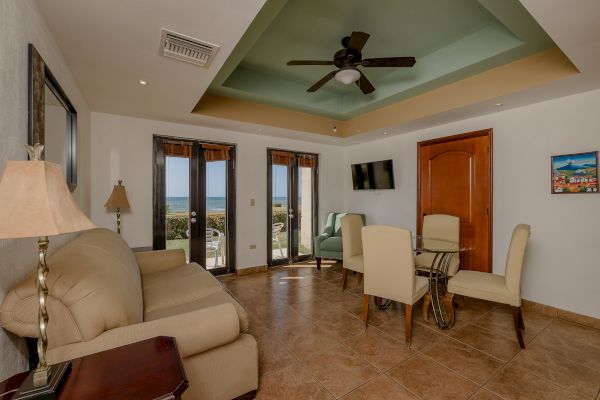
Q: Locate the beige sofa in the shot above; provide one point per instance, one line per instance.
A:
(102, 295)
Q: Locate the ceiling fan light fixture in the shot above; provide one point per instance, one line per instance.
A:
(347, 76)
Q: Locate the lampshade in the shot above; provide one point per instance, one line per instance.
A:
(35, 201)
(118, 198)
(347, 76)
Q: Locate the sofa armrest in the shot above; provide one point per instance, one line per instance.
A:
(159, 260)
(196, 332)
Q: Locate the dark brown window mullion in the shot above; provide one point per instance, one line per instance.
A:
(198, 205)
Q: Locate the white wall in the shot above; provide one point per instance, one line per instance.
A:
(20, 24)
(122, 149)
(563, 260)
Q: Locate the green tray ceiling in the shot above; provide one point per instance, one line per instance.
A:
(451, 39)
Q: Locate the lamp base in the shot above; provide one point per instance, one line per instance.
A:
(49, 391)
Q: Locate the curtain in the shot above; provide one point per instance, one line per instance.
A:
(177, 149)
(304, 160)
(282, 158)
(215, 152)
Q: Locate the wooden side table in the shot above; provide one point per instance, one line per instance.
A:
(150, 369)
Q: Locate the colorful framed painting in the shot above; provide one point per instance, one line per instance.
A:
(575, 173)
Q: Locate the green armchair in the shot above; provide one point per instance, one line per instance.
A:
(329, 243)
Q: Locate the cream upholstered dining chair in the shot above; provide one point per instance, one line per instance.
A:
(390, 269)
(500, 289)
(439, 226)
(352, 245)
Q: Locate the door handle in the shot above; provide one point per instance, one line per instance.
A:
(193, 220)
(193, 213)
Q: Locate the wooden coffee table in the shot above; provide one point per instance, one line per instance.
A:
(150, 369)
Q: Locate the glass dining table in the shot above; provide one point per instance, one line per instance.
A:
(443, 251)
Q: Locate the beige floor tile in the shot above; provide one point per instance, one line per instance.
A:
(500, 319)
(379, 349)
(381, 388)
(430, 380)
(348, 302)
(498, 344)
(484, 394)
(467, 361)
(340, 373)
(281, 319)
(422, 336)
(317, 309)
(294, 295)
(291, 383)
(514, 383)
(565, 355)
(311, 340)
(342, 325)
(272, 356)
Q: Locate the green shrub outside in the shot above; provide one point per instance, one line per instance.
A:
(177, 224)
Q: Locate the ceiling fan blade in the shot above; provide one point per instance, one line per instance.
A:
(389, 62)
(309, 62)
(323, 81)
(364, 84)
(358, 40)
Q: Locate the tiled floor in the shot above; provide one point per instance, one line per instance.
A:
(313, 345)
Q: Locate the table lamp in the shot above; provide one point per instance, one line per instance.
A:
(36, 202)
(118, 200)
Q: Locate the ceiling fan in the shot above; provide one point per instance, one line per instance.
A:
(348, 59)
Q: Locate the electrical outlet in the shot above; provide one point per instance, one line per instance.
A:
(252, 202)
(252, 247)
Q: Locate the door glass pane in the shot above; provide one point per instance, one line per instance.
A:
(279, 212)
(178, 203)
(216, 214)
(305, 211)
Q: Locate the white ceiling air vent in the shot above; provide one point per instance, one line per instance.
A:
(185, 48)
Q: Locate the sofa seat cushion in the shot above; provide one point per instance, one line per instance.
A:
(210, 300)
(177, 286)
(333, 243)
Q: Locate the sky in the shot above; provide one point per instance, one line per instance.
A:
(178, 178)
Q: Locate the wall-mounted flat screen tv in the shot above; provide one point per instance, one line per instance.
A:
(373, 175)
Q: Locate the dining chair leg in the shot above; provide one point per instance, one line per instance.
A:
(450, 307)
(459, 301)
(318, 262)
(344, 276)
(366, 309)
(408, 324)
(378, 302)
(426, 302)
(516, 319)
(360, 277)
(521, 323)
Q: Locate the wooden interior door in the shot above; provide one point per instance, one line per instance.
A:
(455, 178)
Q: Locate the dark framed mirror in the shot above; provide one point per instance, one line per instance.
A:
(52, 118)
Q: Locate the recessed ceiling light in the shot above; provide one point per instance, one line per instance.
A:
(498, 104)
(142, 82)
(385, 133)
(260, 129)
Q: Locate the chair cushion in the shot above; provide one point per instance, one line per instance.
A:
(421, 287)
(482, 285)
(332, 244)
(355, 263)
(177, 286)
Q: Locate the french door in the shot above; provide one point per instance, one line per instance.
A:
(292, 206)
(194, 201)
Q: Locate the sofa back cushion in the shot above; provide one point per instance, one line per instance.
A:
(94, 285)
